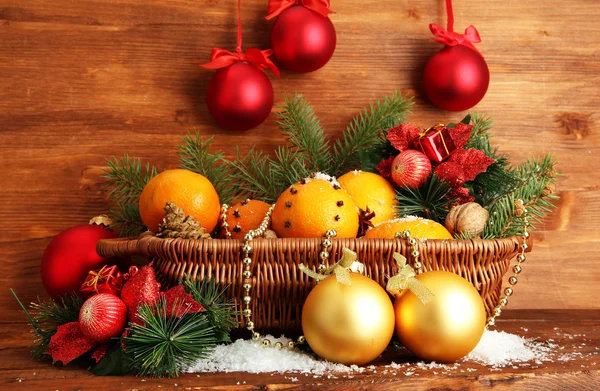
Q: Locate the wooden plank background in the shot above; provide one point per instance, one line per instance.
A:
(83, 80)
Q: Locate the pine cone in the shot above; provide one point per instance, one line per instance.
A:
(177, 225)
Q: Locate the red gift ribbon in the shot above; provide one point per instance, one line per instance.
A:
(102, 281)
(449, 37)
(276, 7)
(221, 58)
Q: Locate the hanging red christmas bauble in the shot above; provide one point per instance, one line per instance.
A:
(240, 95)
(102, 317)
(303, 38)
(410, 169)
(457, 77)
(70, 256)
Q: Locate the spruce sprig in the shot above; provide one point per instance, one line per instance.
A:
(194, 155)
(253, 177)
(365, 130)
(48, 316)
(303, 131)
(220, 309)
(164, 344)
(430, 201)
(537, 176)
(128, 177)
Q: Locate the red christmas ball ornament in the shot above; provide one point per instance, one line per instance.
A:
(457, 77)
(240, 96)
(70, 256)
(410, 169)
(303, 38)
(102, 317)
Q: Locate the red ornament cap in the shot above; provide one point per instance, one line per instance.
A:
(221, 58)
(276, 7)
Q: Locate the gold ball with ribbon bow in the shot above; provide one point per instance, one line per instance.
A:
(440, 316)
(347, 318)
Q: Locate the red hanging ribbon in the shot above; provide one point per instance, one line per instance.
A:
(448, 37)
(221, 58)
(276, 7)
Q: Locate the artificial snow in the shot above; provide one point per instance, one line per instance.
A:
(325, 177)
(496, 350)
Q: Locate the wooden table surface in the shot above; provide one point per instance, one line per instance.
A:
(84, 80)
(575, 366)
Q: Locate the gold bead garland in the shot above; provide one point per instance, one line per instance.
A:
(417, 265)
(225, 225)
(512, 280)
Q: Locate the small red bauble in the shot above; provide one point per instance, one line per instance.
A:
(456, 78)
(410, 169)
(239, 97)
(102, 317)
(70, 256)
(303, 40)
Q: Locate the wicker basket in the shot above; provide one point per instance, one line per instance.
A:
(279, 288)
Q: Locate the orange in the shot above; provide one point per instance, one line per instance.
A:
(190, 191)
(371, 191)
(244, 216)
(419, 228)
(312, 206)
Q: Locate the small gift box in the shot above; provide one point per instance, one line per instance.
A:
(436, 143)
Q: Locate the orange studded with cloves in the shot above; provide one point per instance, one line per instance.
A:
(312, 206)
(244, 216)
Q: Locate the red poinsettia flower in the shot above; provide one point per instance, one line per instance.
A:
(385, 168)
(403, 136)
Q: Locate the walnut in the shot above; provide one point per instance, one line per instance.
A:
(470, 218)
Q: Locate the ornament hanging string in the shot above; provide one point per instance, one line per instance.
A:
(221, 58)
(276, 7)
(405, 279)
(340, 269)
(448, 37)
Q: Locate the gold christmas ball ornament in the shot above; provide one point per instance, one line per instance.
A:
(449, 326)
(470, 218)
(348, 324)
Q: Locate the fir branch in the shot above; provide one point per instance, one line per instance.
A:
(496, 182)
(537, 176)
(429, 201)
(127, 218)
(365, 130)
(252, 176)
(128, 178)
(220, 309)
(194, 155)
(304, 132)
(288, 168)
(49, 315)
(164, 344)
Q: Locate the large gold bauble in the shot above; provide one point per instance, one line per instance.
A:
(446, 328)
(348, 324)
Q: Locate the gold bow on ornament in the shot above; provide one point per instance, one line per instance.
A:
(340, 269)
(405, 279)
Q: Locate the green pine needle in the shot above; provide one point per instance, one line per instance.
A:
(165, 344)
(304, 132)
(535, 175)
(49, 315)
(220, 309)
(127, 177)
(194, 155)
(430, 201)
(365, 130)
(252, 176)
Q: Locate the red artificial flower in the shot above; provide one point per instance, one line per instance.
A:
(460, 134)
(451, 173)
(462, 196)
(403, 136)
(179, 302)
(69, 343)
(385, 168)
(100, 352)
(473, 162)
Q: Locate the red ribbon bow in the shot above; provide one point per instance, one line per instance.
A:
(221, 58)
(451, 38)
(448, 37)
(276, 7)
